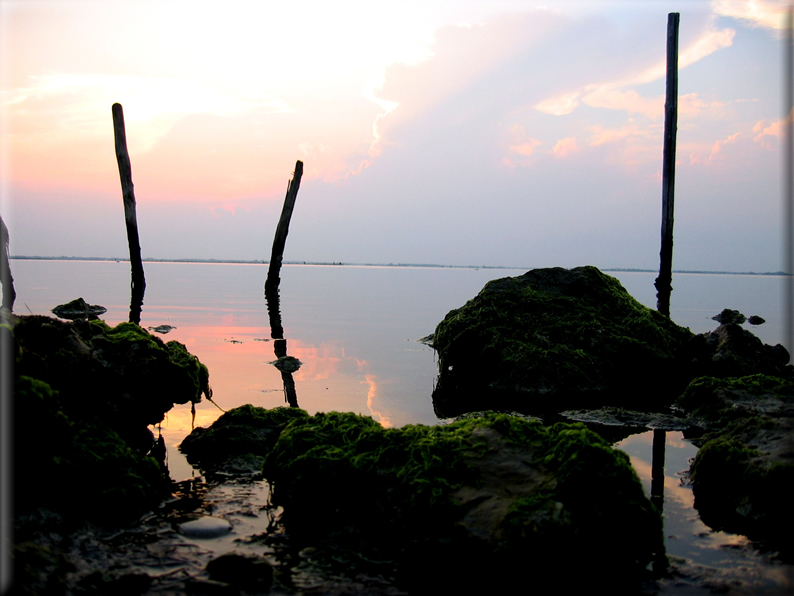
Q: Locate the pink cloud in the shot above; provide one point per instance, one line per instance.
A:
(602, 136)
(715, 155)
(631, 101)
(565, 147)
(691, 105)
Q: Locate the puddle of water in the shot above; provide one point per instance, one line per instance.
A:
(703, 561)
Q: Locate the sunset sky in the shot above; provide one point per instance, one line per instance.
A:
(467, 132)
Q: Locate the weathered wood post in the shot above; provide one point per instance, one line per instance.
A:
(664, 282)
(138, 284)
(788, 184)
(9, 295)
(273, 280)
(280, 239)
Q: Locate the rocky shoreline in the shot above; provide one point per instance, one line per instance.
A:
(333, 503)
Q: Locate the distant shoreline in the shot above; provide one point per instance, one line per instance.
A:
(324, 263)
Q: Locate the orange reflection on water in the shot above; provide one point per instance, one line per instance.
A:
(239, 361)
(372, 394)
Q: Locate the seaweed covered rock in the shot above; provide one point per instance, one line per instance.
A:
(732, 351)
(501, 497)
(554, 339)
(743, 472)
(238, 441)
(83, 468)
(95, 389)
(122, 375)
(78, 309)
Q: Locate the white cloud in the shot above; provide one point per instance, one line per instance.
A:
(81, 104)
(758, 13)
(631, 101)
(560, 105)
(609, 95)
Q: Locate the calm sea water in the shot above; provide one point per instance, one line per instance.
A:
(356, 332)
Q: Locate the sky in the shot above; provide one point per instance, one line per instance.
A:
(466, 132)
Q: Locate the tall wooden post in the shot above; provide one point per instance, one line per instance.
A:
(280, 239)
(9, 295)
(664, 282)
(788, 184)
(138, 284)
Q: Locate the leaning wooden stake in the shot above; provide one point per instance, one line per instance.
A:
(138, 284)
(9, 295)
(664, 282)
(282, 229)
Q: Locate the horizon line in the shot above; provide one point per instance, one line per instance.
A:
(343, 264)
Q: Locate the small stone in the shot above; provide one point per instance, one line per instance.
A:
(77, 310)
(756, 320)
(205, 527)
(287, 364)
(162, 329)
(728, 316)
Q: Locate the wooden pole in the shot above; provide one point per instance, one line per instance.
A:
(664, 282)
(138, 284)
(788, 184)
(280, 240)
(9, 295)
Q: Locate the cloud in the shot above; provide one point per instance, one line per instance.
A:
(691, 105)
(564, 147)
(630, 101)
(609, 95)
(715, 155)
(711, 41)
(559, 106)
(526, 148)
(757, 13)
(79, 104)
(602, 136)
(768, 133)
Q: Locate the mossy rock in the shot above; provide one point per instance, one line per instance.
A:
(92, 390)
(715, 402)
(743, 472)
(78, 309)
(83, 468)
(500, 497)
(123, 374)
(742, 478)
(232, 442)
(556, 339)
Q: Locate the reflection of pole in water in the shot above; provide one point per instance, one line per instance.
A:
(279, 343)
(657, 469)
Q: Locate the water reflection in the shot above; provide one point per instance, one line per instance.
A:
(657, 469)
(698, 554)
(136, 301)
(279, 343)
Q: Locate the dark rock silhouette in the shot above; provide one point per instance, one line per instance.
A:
(555, 339)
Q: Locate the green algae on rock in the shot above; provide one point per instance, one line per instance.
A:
(743, 472)
(499, 496)
(95, 388)
(110, 482)
(122, 374)
(78, 309)
(554, 339)
(239, 439)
